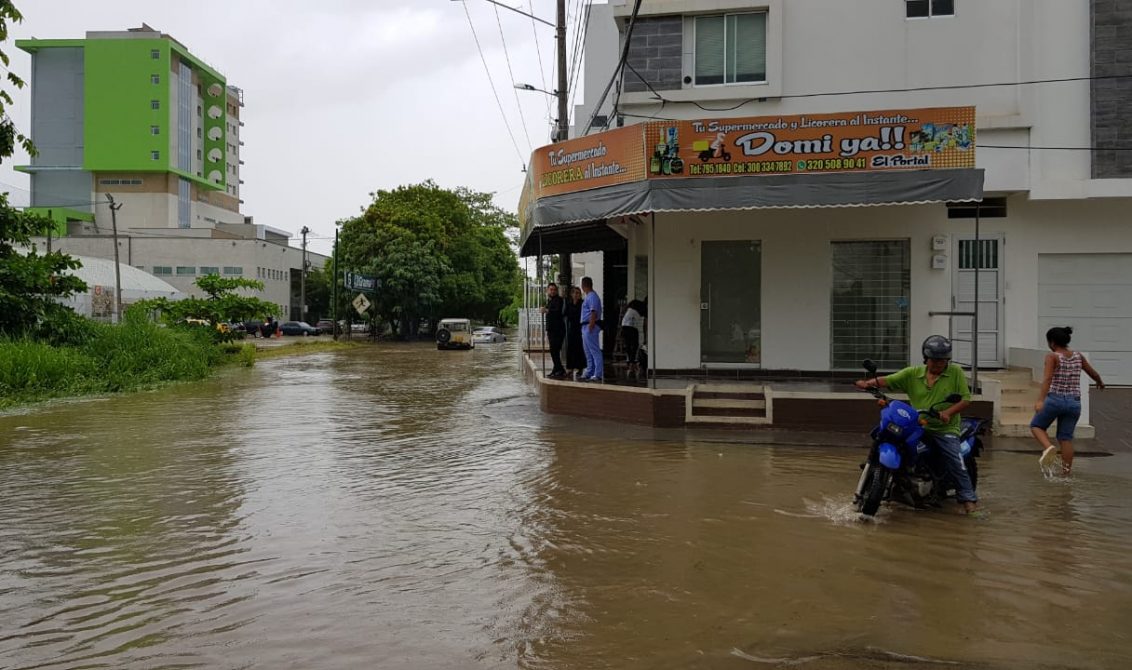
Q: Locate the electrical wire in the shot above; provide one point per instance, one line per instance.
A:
(580, 55)
(483, 59)
(538, 50)
(915, 89)
(616, 70)
(511, 73)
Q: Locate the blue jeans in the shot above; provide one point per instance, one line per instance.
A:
(953, 463)
(1065, 408)
(591, 343)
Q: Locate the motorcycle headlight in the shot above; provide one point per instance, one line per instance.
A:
(895, 429)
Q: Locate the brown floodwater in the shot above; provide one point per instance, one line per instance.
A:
(398, 507)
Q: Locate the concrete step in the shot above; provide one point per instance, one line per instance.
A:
(1016, 418)
(729, 389)
(728, 403)
(1083, 432)
(727, 421)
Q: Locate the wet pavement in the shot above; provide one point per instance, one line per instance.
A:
(394, 506)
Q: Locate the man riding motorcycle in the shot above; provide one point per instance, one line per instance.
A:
(928, 386)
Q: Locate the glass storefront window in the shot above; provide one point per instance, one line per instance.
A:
(869, 304)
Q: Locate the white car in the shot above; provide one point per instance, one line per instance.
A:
(488, 335)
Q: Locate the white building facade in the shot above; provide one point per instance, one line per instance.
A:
(813, 290)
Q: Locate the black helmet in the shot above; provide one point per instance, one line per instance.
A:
(936, 346)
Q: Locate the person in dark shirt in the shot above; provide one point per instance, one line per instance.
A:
(555, 324)
(575, 355)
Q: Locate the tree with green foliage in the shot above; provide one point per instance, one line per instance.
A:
(318, 294)
(222, 302)
(31, 283)
(437, 252)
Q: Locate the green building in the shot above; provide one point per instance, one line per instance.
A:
(135, 115)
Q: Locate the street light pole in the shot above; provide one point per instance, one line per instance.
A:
(114, 207)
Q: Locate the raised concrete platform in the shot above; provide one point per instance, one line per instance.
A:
(679, 402)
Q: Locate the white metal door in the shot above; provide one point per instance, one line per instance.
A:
(1091, 293)
(987, 256)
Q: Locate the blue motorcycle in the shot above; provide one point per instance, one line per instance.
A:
(903, 464)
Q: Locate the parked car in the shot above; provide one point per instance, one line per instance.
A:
(454, 334)
(488, 335)
(253, 327)
(325, 326)
(298, 328)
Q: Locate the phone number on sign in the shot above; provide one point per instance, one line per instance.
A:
(779, 166)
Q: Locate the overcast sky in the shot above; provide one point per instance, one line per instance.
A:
(343, 97)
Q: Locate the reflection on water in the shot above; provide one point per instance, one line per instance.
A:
(395, 506)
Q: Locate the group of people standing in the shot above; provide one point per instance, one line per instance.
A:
(576, 322)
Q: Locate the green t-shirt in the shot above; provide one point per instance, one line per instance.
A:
(913, 381)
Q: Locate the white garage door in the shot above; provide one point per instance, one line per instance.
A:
(1092, 293)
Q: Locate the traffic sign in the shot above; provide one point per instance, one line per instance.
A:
(359, 282)
(361, 303)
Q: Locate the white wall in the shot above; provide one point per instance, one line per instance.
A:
(1032, 228)
(832, 46)
(797, 275)
(147, 252)
(602, 54)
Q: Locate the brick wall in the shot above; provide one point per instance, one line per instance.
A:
(656, 53)
(1111, 98)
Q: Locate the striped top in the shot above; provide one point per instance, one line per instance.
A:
(1067, 376)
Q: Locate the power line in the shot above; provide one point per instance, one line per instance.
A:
(511, 73)
(579, 55)
(915, 89)
(620, 66)
(506, 123)
(538, 50)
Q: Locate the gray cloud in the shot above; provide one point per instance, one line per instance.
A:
(343, 96)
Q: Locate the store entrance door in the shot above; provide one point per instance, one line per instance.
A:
(730, 302)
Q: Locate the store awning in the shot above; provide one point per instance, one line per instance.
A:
(574, 222)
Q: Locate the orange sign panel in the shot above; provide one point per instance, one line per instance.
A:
(918, 139)
(604, 159)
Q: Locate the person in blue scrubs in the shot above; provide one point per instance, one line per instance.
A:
(591, 332)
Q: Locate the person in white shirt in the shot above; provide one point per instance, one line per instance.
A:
(631, 325)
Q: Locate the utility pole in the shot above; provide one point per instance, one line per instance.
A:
(563, 134)
(50, 230)
(563, 130)
(334, 283)
(114, 207)
(303, 278)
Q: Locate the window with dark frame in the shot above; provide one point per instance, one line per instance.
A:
(155, 104)
(155, 54)
(155, 130)
(924, 9)
(155, 79)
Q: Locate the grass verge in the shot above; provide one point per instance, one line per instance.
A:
(133, 356)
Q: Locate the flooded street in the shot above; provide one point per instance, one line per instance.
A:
(397, 507)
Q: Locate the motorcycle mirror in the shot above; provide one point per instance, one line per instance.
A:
(954, 398)
(870, 366)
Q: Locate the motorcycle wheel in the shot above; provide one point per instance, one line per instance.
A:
(726, 156)
(972, 470)
(874, 491)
